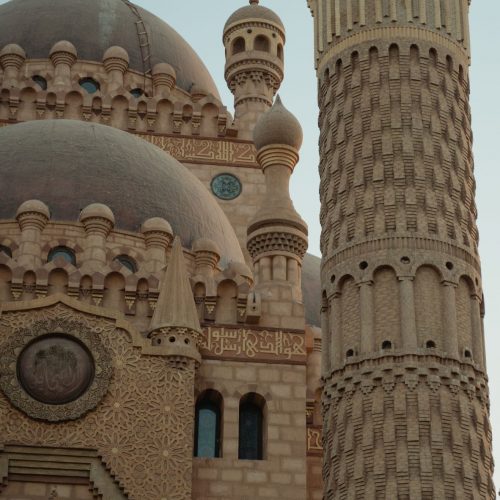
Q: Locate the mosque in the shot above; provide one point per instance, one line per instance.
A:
(164, 334)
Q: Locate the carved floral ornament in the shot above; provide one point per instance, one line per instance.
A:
(55, 369)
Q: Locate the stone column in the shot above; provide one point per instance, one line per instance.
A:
(98, 221)
(157, 235)
(325, 341)
(367, 317)
(335, 323)
(116, 63)
(12, 58)
(32, 217)
(477, 330)
(408, 319)
(450, 319)
(163, 79)
(63, 56)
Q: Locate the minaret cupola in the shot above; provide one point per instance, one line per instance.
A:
(254, 37)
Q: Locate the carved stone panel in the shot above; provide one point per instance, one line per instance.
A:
(55, 369)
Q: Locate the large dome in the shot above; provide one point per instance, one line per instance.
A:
(93, 26)
(70, 164)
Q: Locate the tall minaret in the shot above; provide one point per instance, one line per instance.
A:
(406, 399)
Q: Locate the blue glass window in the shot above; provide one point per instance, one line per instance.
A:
(251, 427)
(90, 85)
(226, 186)
(6, 250)
(137, 92)
(40, 81)
(127, 262)
(64, 252)
(207, 441)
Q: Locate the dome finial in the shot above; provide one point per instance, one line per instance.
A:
(254, 1)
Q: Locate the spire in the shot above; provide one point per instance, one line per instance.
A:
(176, 307)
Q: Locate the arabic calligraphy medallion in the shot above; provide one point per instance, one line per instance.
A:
(55, 369)
(226, 186)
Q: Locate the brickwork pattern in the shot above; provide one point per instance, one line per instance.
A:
(407, 434)
(397, 191)
(396, 147)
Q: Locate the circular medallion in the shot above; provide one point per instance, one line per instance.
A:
(226, 186)
(55, 369)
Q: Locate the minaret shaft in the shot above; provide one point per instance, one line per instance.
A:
(406, 400)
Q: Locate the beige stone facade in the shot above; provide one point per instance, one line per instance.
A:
(170, 298)
(153, 334)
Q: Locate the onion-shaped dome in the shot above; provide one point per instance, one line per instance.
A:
(254, 12)
(93, 26)
(278, 126)
(71, 164)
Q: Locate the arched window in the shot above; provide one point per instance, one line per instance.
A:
(239, 45)
(251, 428)
(127, 262)
(66, 253)
(90, 85)
(207, 436)
(280, 51)
(261, 43)
(138, 92)
(6, 250)
(40, 81)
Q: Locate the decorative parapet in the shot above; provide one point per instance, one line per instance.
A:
(201, 149)
(257, 345)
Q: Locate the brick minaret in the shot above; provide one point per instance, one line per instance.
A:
(406, 399)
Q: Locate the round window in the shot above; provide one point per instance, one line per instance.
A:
(226, 186)
(90, 85)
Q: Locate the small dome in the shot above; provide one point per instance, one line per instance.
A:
(254, 11)
(116, 52)
(36, 206)
(278, 126)
(156, 224)
(13, 48)
(63, 46)
(97, 210)
(163, 69)
(206, 245)
(70, 164)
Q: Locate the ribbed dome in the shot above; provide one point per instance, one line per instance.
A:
(254, 11)
(93, 26)
(69, 165)
(278, 126)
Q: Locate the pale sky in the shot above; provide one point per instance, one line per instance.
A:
(200, 22)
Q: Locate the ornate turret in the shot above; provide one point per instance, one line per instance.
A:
(277, 236)
(406, 398)
(254, 38)
(175, 323)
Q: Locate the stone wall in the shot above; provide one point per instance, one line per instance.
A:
(282, 473)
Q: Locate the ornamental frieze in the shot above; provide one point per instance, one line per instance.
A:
(207, 151)
(255, 345)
